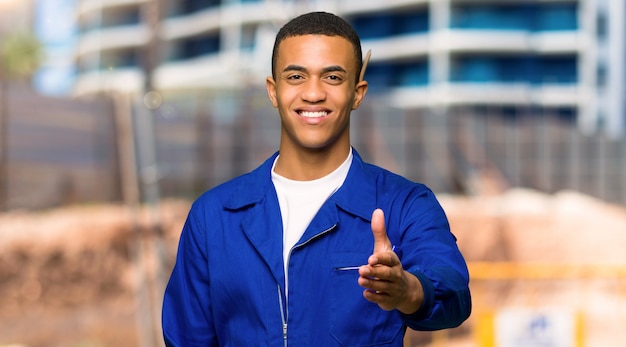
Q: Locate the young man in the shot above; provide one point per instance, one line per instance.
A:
(315, 247)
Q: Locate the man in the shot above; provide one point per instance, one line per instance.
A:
(314, 247)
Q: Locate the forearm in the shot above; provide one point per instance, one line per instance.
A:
(442, 306)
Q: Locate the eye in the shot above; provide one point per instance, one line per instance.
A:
(294, 78)
(334, 79)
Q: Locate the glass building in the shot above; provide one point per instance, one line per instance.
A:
(563, 56)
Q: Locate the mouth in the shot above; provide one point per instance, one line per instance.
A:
(313, 114)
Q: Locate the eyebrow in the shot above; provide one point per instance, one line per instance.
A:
(333, 68)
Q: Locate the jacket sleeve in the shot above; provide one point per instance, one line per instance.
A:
(186, 315)
(430, 252)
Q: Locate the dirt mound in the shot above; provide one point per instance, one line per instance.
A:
(66, 275)
(70, 270)
(529, 226)
(562, 253)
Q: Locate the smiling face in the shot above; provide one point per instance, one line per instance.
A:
(314, 91)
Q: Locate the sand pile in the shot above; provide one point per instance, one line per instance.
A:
(529, 226)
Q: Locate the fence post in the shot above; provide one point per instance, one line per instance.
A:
(623, 167)
(601, 170)
(573, 146)
(4, 143)
(512, 150)
(131, 195)
(545, 162)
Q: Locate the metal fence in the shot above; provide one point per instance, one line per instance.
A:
(469, 150)
(64, 151)
(59, 151)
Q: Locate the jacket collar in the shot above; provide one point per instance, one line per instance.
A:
(356, 196)
(253, 186)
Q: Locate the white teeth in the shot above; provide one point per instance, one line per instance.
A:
(307, 114)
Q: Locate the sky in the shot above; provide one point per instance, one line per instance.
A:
(55, 26)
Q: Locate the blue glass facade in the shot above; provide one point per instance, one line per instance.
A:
(410, 25)
(397, 74)
(416, 44)
(386, 25)
(529, 69)
(383, 25)
(198, 46)
(554, 17)
(507, 16)
(499, 17)
(191, 6)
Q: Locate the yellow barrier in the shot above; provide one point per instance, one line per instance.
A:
(530, 284)
(510, 271)
(484, 329)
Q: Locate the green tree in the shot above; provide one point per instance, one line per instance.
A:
(21, 54)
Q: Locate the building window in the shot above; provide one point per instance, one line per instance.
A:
(120, 16)
(511, 16)
(194, 47)
(248, 37)
(383, 75)
(411, 74)
(494, 16)
(556, 17)
(602, 26)
(558, 69)
(191, 6)
(529, 69)
(376, 26)
(488, 69)
(601, 76)
(113, 60)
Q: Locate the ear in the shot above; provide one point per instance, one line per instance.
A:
(359, 95)
(270, 85)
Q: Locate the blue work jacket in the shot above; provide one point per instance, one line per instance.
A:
(228, 286)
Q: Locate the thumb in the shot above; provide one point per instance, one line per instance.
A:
(381, 241)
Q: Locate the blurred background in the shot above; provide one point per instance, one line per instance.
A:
(116, 114)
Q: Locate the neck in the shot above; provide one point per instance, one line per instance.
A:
(309, 165)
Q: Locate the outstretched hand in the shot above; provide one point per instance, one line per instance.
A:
(385, 281)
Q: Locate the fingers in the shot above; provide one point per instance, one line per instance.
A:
(384, 285)
(384, 293)
(383, 250)
(384, 300)
(387, 258)
(380, 271)
(381, 241)
(381, 277)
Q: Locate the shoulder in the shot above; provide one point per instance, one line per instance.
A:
(369, 186)
(387, 180)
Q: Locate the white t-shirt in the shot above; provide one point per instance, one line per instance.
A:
(300, 200)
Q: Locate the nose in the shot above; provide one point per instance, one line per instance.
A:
(313, 91)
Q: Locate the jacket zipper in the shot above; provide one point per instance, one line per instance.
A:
(284, 312)
(282, 315)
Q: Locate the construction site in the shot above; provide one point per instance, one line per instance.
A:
(84, 257)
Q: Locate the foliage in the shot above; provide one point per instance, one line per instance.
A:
(20, 55)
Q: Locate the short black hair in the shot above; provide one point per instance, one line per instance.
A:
(319, 23)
